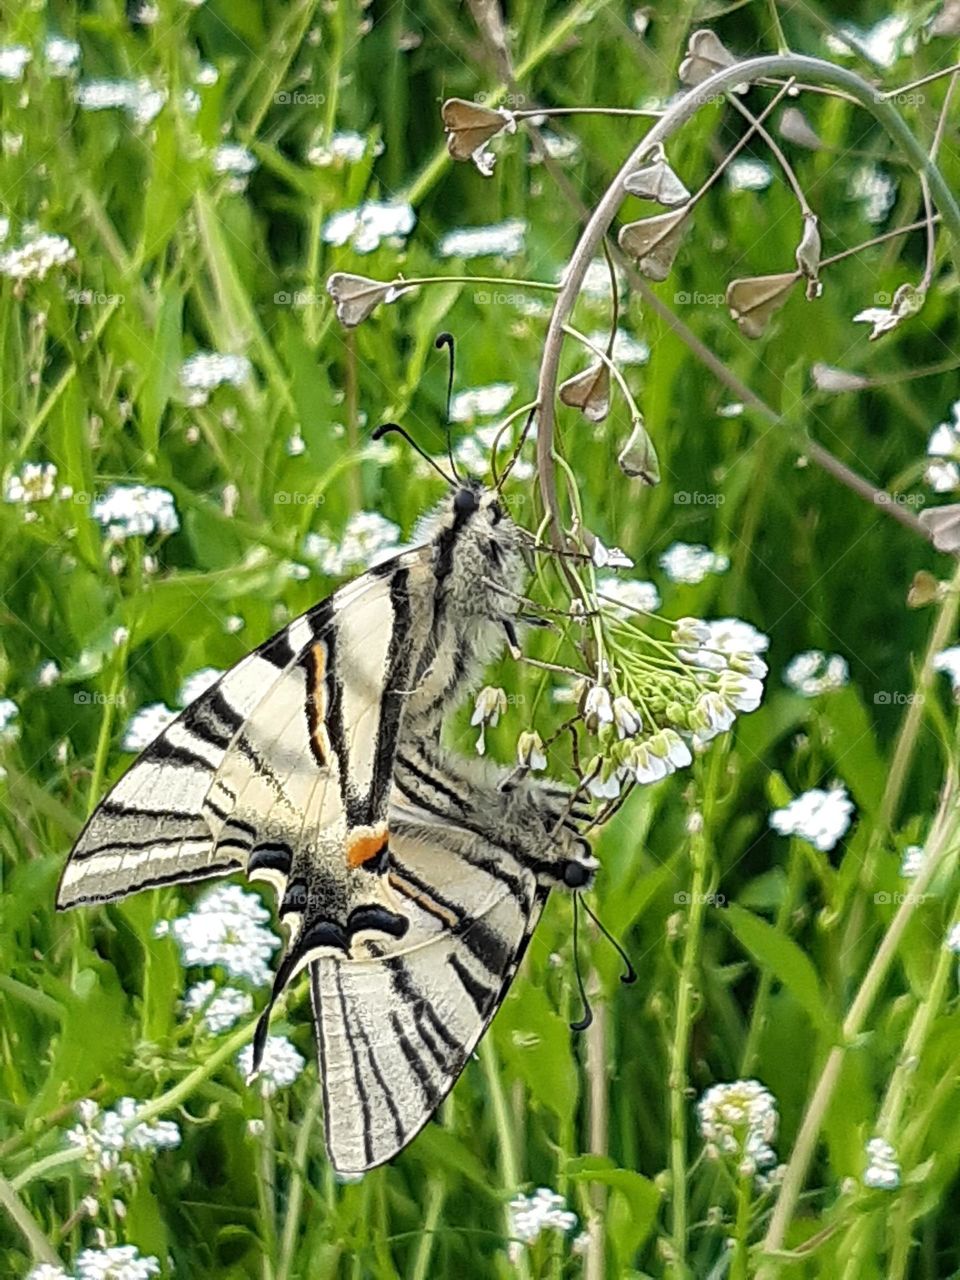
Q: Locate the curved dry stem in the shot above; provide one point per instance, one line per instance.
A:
(748, 72)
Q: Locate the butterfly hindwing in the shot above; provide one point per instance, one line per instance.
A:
(396, 1024)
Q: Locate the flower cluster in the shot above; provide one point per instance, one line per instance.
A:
(912, 862)
(365, 227)
(812, 673)
(204, 371)
(141, 100)
(113, 1262)
(943, 473)
(221, 1008)
(501, 240)
(818, 816)
(280, 1064)
(689, 562)
(104, 1136)
(237, 162)
(227, 927)
(34, 259)
(883, 1170)
(35, 482)
(367, 539)
(739, 1120)
(132, 510)
(146, 724)
(531, 1216)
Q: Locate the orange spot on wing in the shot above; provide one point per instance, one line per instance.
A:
(366, 844)
(317, 705)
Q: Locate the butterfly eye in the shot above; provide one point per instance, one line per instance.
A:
(465, 503)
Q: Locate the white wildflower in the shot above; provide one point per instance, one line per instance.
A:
(47, 1271)
(669, 743)
(207, 75)
(197, 683)
(503, 240)
(942, 476)
(227, 927)
(104, 1136)
(739, 1120)
(481, 402)
(690, 562)
(812, 673)
(366, 226)
(627, 349)
(734, 636)
(34, 482)
(345, 147)
(741, 692)
(279, 1066)
(221, 1007)
(912, 862)
(489, 704)
(35, 258)
(711, 715)
(626, 717)
(953, 939)
(61, 55)
(648, 766)
(748, 174)
(691, 633)
(882, 1171)
(9, 724)
(204, 371)
(876, 189)
(545, 1210)
(820, 817)
(141, 100)
(596, 708)
(237, 162)
(136, 510)
(630, 594)
(14, 59)
(48, 674)
(145, 725)
(530, 753)
(605, 557)
(602, 787)
(948, 661)
(368, 538)
(118, 1262)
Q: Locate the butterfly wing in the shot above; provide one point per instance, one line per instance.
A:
(396, 1023)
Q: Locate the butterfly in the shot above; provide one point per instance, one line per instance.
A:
(409, 879)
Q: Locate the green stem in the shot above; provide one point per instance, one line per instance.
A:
(503, 1123)
(40, 1248)
(291, 1218)
(436, 1193)
(741, 1231)
(267, 1191)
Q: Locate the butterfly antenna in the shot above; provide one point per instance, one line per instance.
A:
(386, 428)
(630, 974)
(498, 484)
(446, 340)
(581, 1024)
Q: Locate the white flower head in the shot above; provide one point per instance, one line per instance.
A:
(912, 862)
(545, 1210)
(204, 371)
(820, 817)
(36, 258)
(530, 753)
(365, 227)
(630, 594)
(118, 1262)
(369, 538)
(691, 562)
(136, 510)
(883, 1170)
(280, 1064)
(197, 683)
(227, 927)
(61, 55)
(146, 725)
(813, 673)
(35, 482)
(503, 240)
(14, 58)
(47, 1271)
(739, 1121)
(481, 402)
(221, 1007)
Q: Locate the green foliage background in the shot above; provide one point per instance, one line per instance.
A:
(175, 262)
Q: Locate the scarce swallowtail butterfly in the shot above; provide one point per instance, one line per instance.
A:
(408, 878)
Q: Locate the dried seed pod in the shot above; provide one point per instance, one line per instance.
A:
(638, 457)
(706, 53)
(943, 525)
(907, 301)
(808, 254)
(657, 181)
(469, 126)
(357, 296)
(754, 299)
(589, 391)
(654, 242)
(795, 127)
(827, 377)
